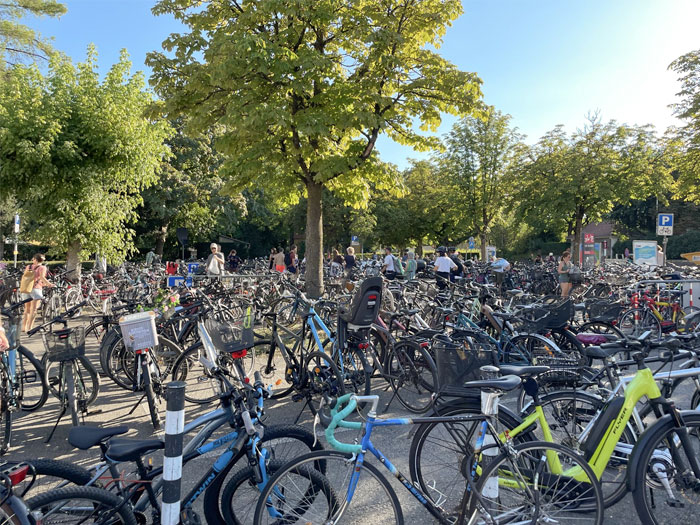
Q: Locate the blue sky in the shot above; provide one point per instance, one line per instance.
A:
(544, 62)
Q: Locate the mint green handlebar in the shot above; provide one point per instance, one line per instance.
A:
(338, 421)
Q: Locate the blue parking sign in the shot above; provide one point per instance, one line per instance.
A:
(665, 219)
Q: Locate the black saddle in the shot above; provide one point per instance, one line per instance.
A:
(85, 437)
(504, 384)
(598, 352)
(132, 449)
(523, 371)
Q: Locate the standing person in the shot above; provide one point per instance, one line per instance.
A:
(443, 266)
(499, 266)
(291, 260)
(459, 271)
(215, 262)
(33, 282)
(337, 263)
(271, 258)
(150, 257)
(234, 261)
(388, 268)
(563, 271)
(350, 261)
(279, 260)
(411, 266)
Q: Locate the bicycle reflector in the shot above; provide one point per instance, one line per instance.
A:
(372, 297)
(240, 354)
(17, 474)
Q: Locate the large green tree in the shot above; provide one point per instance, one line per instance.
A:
(76, 152)
(18, 42)
(687, 137)
(478, 154)
(571, 181)
(304, 88)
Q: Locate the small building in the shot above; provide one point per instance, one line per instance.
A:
(604, 237)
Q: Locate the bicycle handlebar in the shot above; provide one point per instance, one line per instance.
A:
(337, 420)
(59, 318)
(7, 311)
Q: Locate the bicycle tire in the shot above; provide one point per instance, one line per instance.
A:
(321, 376)
(427, 445)
(585, 496)
(285, 387)
(644, 477)
(630, 326)
(32, 386)
(71, 400)
(5, 412)
(98, 502)
(51, 471)
(289, 436)
(153, 405)
(330, 488)
(417, 377)
(87, 368)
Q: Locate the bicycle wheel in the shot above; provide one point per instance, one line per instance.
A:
(664, 486)
(298, 493)
(412, 375)
(5, 411)
(440, 451)
(636, 321)
(85, 375)
(567, 414)
(52, 474)
(151, 397)
(539, 482)
(279, 372)
(83, 505)
(30, 381)
(283, 443)
(356, 372)
(321, 377)
(70, 399)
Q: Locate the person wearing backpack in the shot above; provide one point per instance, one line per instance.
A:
(388, 268)
(31, 287)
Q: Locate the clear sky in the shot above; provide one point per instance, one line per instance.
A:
(545, 62)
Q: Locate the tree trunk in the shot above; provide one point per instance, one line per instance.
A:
(419, 248)
(314, 240)
(73, 260)
(160, 239)
(576, 241)
(484, 241)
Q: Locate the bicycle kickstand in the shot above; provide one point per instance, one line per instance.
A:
(138, 404)
(53, 430)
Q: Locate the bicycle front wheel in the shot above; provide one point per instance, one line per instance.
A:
(412, 374)
(31, 380)
(664, 484)
(83, 505)
(299, 493)
(538, 482)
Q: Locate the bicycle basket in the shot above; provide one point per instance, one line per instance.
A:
(459, 361)
(563, 371)
(532, 321)
(232, 335)
(604, 311)
(560, 313)
(65, 345)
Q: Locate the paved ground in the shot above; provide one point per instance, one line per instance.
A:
(114, 405)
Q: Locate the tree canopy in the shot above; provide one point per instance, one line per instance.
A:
(77, 152)
(303, 90)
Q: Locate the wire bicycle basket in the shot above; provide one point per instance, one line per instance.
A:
(65, 345)
(232, 335)
(459, 360)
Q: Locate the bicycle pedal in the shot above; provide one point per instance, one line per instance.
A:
(189, 517)
(298, 397)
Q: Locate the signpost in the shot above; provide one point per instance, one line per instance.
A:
(588, 250)
(16, 235)
(664, 227)
(472, 244)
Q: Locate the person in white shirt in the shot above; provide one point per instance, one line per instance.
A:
(498, 267)
(443, 265)
(388, 268)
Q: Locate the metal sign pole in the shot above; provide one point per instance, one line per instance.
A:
(665, 241)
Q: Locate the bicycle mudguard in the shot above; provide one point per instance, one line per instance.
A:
(607, 416)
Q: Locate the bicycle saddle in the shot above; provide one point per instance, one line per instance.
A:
(504, 384)
(523, 371)
(85, 437)
(598, 352)
(131, 449)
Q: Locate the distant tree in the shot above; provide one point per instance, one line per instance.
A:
(304, 89)
(76, 152)
(18, 42)
(579, 179)
(478, 154)
(686, 139)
